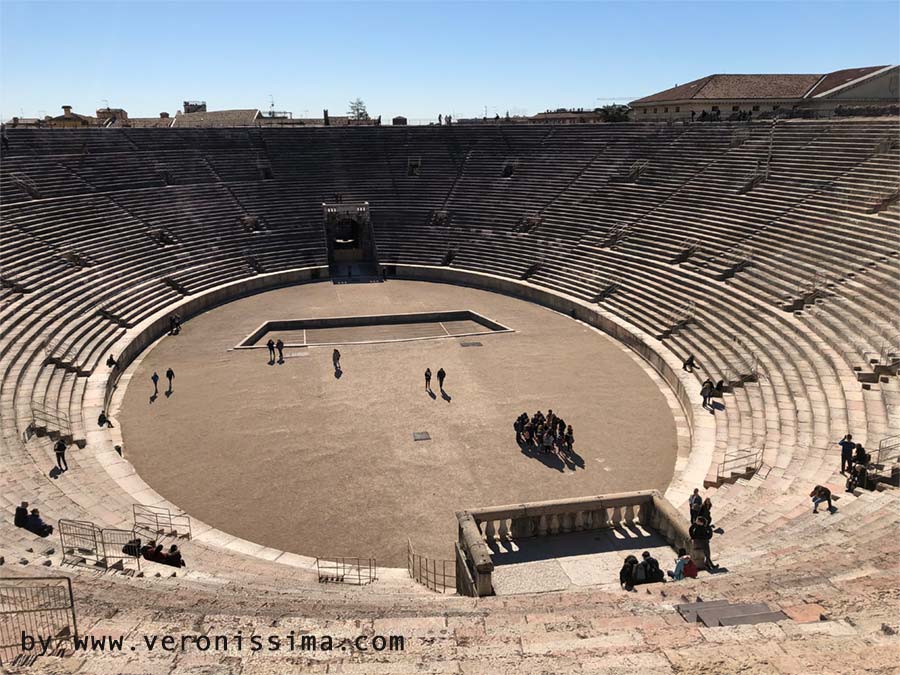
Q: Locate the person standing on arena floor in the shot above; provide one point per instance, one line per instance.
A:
(336, 359)
(279, 345)
(441, 375)
(847, 447)
(271, 346)
(60, 450)
(170, 376)
(155, 379)
(428, 379)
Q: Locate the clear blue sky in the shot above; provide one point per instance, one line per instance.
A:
(412, 58)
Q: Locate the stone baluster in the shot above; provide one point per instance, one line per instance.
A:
(554, 524)
(542, 526)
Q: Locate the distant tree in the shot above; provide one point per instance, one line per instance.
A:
(358, 110)
(614, 113)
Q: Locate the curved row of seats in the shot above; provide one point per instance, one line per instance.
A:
(96, 241)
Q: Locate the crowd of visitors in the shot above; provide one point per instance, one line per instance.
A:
(31, 521)
(545, 434)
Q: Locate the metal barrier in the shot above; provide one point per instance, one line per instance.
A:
(39, 607)
(740, 463)
(155, 522)
(347, 570)
(80, 541)
(436, 575)
(46, 418)
(121, 548)
(888, 450)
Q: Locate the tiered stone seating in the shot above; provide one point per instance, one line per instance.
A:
(88, 262)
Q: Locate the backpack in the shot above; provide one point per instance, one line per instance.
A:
(690, 569)
(132, 548)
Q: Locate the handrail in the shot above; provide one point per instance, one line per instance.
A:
(430, 572)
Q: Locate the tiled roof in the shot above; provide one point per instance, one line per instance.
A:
(718, 87)
(218, 118)
(842, 77)
(149, 122)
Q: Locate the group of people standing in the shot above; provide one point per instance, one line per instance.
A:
(544, 433)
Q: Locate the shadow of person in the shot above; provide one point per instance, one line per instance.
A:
(338, 373)
(573, 460)
(718, 406)
(271, 362)
(55, 472)
(153, 397)
(549, 459)
(432, 395)
(169, 392)
(446, 396)
(281, 361)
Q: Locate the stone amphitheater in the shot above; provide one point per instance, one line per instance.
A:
(767, 250)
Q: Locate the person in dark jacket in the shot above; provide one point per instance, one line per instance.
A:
(694, 504)
(37, 525)
(700, 534)
(652, 571)
(279, 345)
(173, 557)
(627, 573)
(706, 392)
(59, 449)
(847, 448)
(21, 517)
(440, 376)
(706, 511)
(271, 346)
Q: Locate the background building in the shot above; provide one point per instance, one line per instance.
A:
(732, 96)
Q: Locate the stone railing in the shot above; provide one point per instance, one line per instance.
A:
(477, 527)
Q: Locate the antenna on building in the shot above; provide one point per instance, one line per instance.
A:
(271, 106)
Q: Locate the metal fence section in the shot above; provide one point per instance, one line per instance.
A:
(80, 541)
(39, 607)
(739, 463)
(436, 575)
(121, 549)
(347, 570)
(155, 522)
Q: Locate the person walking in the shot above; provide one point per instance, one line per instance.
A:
(336, 359)
(847, 447)
(60, 450)
(170, 376)
(428, 379)
(689, 364)
(441, 375)
(271, 345)
(155, 379)
(706, 392)
(279, 345)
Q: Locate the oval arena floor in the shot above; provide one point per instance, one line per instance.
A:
(293, 457)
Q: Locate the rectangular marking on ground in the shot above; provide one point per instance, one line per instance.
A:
(470, 344)
(421, 436)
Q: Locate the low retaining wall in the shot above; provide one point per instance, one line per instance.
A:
(561, 516)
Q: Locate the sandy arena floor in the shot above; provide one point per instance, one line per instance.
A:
(292, 457)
